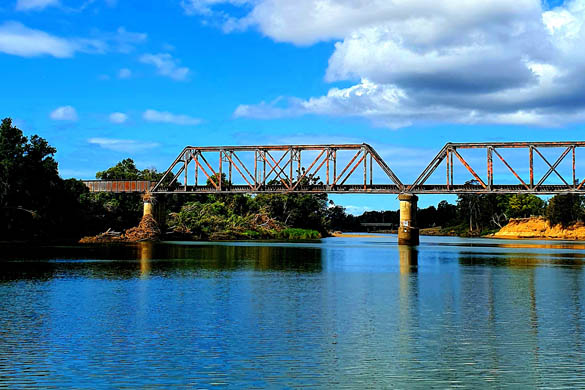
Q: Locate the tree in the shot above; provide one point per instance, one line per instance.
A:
(446, 213)
(118, 211)
(525, 205)
(213, 180)
(30, 186)
(482, 211)
(126, 170)
(564, 209)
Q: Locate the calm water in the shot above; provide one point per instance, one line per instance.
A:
(339, 313)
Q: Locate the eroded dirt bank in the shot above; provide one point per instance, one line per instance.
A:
(538, 227)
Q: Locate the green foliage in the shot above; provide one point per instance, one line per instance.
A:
(35, 203)
(298, 234)
(214, 180)
(305, 211)
(126, 170)
(525, 205)
(338, 219)
(117, 211)
(243, 216)
(31, 192)
(565, 209)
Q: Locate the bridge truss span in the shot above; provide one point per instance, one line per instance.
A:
(525, 178)
(458, 168)
(343, 168)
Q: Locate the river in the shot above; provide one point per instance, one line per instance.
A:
(358, 312)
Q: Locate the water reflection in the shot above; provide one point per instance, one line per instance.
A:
(408, 257)
(146, 249)
(146, 259)
(342, 313)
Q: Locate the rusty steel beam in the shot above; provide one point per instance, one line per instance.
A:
(391, 189)
(552, 167)
(271, 165)
(499, 145)
(119, 186)
(237, 169)
(278, 162)
(466, 165)
(335, 179)
(276, 165)
(308, 169)
(510, 168)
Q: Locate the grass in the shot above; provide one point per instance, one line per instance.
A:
(298, 234)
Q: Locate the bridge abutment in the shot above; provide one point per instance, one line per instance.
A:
(408, 233)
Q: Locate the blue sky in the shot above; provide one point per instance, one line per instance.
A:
(103, 80)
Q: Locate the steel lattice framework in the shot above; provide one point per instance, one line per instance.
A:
(281, 168)
(532, 184)
(358, 168)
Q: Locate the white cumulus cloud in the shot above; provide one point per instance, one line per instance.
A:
(17, 39)
(124, 73)
(122, 145)
(467, 61)
(26, 5)
(167, 117)
(166, 65)
(20, 40)
(118, 117)
(64, 113)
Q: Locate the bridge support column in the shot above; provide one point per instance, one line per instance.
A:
(155, 207)
(407, 231)
(148, 206)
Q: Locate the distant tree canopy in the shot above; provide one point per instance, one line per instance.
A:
(126, 170)
(565, 209)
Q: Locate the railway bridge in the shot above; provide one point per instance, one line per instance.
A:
(543, 168)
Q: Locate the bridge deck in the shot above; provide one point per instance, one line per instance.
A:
(379, 189)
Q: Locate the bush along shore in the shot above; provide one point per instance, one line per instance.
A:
(257, 227)
(243, 218)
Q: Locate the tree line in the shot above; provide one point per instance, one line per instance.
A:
(37, 204)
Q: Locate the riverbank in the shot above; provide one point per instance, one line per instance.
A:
(539, 228)
(148, 230)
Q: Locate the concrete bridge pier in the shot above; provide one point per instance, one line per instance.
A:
(155, 206)
(407, 230)
(148, 206)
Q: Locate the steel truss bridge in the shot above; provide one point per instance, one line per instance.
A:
(540, 168)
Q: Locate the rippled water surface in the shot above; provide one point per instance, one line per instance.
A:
(337, 313)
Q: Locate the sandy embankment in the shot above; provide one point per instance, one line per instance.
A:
(538, 227)
(354, 235)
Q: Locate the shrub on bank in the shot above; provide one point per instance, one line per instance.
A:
(298, 234)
